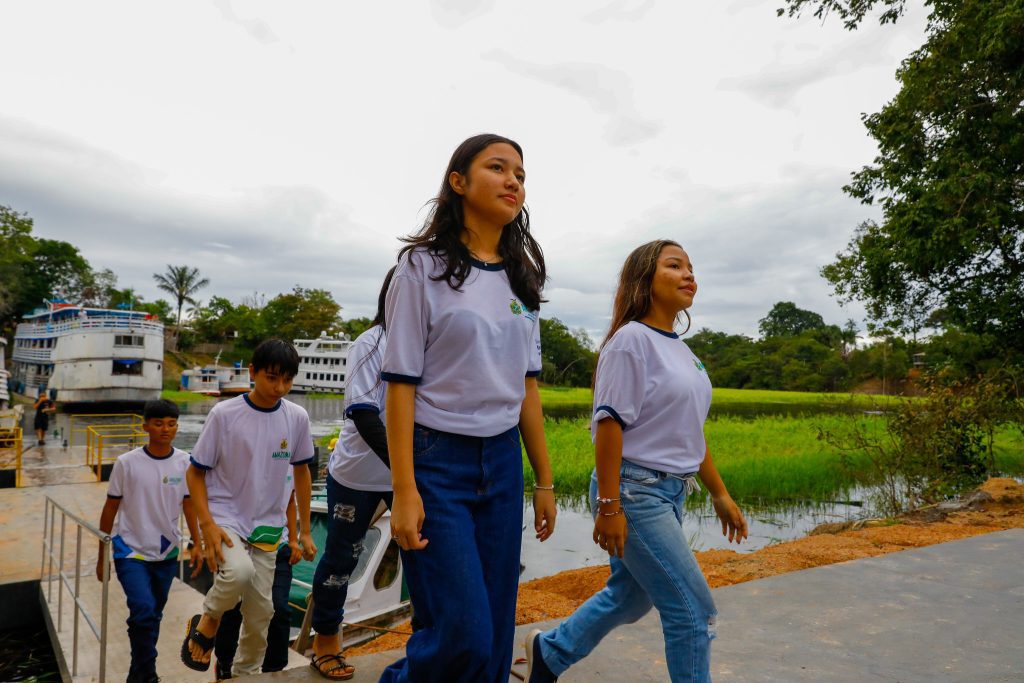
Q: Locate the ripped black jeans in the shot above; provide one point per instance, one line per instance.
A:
(348, 512)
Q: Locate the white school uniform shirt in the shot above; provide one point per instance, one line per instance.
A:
(150, 489)
(652, 384)
(353, 463)
(248, 453)
(468, 351)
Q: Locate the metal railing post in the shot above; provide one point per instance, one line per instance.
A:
(75, 590)
(49, 586)
(78, 573)
(60, 569)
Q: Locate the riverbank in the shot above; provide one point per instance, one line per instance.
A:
(997, 505)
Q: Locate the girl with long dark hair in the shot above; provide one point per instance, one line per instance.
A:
(461, 365)
(358, 480)
(651, 397)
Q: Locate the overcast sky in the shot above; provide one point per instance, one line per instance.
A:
(277, 144)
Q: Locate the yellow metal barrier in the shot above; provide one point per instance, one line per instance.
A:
(100, 437)
(12, 438)
(123, 419)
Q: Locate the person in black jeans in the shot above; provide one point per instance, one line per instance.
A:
(279, 630)
(358, 479)
(44, 406)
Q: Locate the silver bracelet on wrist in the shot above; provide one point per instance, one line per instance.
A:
(538, 487)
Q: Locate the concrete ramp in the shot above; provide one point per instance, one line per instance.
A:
(947, 613)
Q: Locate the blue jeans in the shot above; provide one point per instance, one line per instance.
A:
(464, 584)
(279, 631)
(146, 585)
(657, 569)
(349, 517)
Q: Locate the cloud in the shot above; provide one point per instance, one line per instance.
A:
(798, 66)
(607, 90)
(620, 10)
(257, 28)
(455, 13)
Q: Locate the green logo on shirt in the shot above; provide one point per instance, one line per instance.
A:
(516, 307)
(700, 366)
(281, 455)
(173, 481)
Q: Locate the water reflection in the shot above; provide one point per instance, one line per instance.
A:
(572, 544)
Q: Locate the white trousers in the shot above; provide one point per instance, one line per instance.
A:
(247, 574)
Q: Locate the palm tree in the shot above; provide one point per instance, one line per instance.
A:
(181, 282)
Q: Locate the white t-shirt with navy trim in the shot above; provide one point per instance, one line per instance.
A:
(652, 384)
(353, 463)
(150, 489)
(468, 351)
(248, 452)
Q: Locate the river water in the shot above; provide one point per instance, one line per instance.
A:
(571, 545)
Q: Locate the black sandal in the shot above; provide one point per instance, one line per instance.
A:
(192, 634)
(317, 664)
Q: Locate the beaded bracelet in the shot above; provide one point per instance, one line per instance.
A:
(605, 501)
(612, 514)
(538, 487)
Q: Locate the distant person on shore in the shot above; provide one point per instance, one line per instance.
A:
(237, 482)
(279, 630)
(145, 495)
(461, 365)
(651, 397)
(358, 480)
(43, 406)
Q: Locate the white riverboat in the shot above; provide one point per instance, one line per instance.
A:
(5, 397)
(323, 364)
(81, 354)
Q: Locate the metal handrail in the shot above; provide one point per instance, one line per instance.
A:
(134, 419)
(13, 436)
(51, 507)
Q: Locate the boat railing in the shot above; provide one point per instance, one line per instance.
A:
(54, 553)
(90, 323)
(11, 438)
(80, 418)
(27, 355)
(101, 437)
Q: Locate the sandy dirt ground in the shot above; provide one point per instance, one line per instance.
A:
(996, 505)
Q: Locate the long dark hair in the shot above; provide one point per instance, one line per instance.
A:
(441, 234)
(633, 297)
(377, 320)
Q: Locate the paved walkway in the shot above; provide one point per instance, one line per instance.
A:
(944, 613)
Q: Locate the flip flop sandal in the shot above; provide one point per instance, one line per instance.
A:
(192, 634)
(317, 664)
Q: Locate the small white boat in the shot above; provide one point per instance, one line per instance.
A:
(234, 380)
(200, 381)
(377, 594)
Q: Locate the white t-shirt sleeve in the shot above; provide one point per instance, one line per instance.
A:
(619, 389)
(365, 389)
(406, 317)
(534, 367)
(115, 487)
(303, 451)
(205, 453)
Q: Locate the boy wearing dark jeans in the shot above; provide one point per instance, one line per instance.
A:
(146, 493)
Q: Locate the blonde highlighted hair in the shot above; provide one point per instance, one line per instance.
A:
(633, 296)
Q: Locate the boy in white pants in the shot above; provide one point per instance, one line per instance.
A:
(237, 484)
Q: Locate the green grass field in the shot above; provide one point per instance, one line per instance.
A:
(765, 459)
(182, 396)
